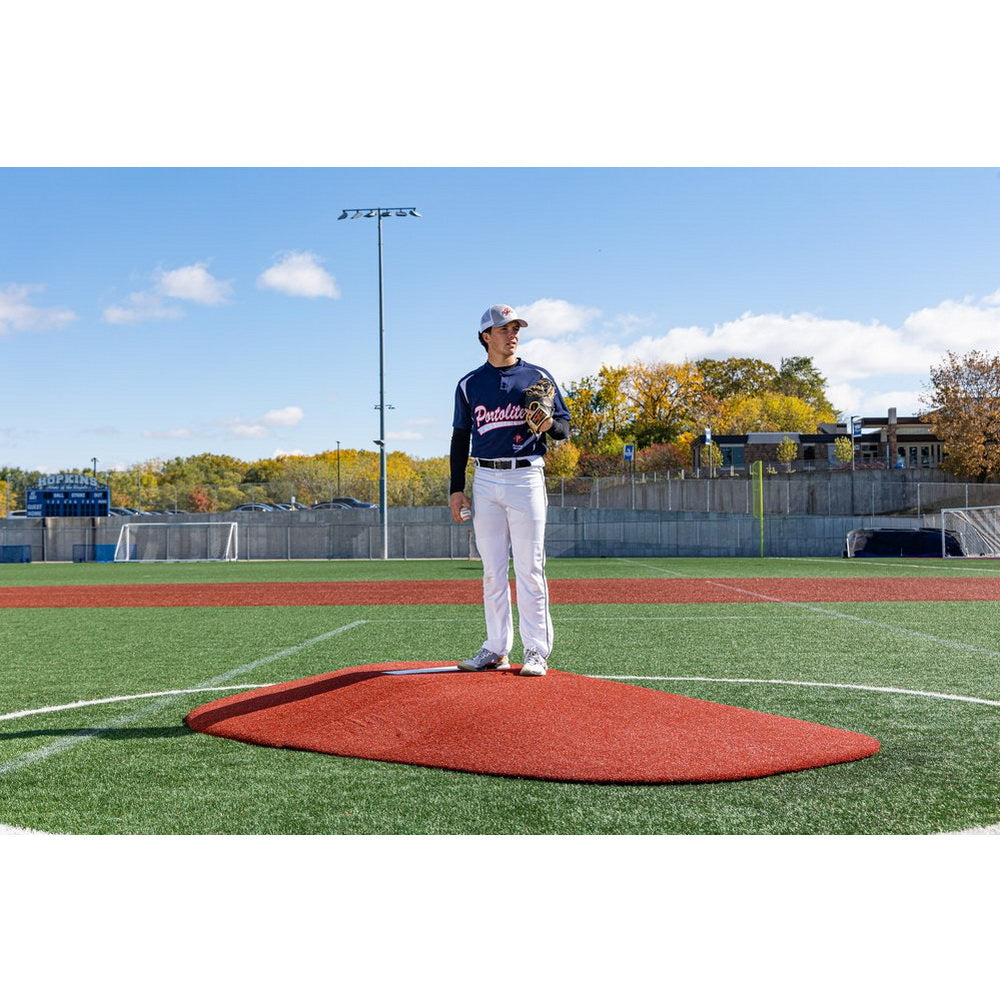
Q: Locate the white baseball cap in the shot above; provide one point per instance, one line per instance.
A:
(499, 315)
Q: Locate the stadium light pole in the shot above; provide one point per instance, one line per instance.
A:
(379, 214)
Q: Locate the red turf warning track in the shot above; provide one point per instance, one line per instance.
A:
(562, 726)
(389, 592)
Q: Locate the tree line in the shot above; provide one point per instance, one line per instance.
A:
(660, 408)
(210, 482)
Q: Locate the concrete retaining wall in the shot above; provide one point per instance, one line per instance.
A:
(429, 533)
(835, 492)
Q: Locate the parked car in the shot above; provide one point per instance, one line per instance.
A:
(332, 505)
(344, 501)
(290, 506)
(17, 513)
(263, 508)
(123, 511)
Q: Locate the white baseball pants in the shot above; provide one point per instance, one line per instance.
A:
(509, 508)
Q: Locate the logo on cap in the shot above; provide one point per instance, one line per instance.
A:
(505, 311)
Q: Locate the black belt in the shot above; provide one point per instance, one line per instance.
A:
(503, 463)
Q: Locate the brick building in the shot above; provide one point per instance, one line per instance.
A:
(887, 442)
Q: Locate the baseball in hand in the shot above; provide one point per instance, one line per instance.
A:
(464, 513)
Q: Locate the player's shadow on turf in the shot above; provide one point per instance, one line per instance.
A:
(136, 733)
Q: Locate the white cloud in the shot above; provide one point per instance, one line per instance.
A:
(404, 436)
(627, 324)
(551, 318)
(288, 417)
(194, 284)
(17, 313)
(262, 427)
(246, 429)
(907, 404)
(141, 306)
(849, 399)
(300, 274)
(569, 360)
(870, 366)
(955, 326)
(287, 454)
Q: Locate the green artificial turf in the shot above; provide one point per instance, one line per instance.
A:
(82, 574)
(133, 767)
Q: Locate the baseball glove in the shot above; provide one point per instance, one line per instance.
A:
(539, 404)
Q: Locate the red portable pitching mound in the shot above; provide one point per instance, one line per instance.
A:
(562, 726)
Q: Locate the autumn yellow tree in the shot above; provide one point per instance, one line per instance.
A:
(963, 409)
(666, 399)
(431, 485)
(599, 406)
(799, 376)
(736, 377)
(843, 450)
(768, 412)
(562, 459)
(788, 451)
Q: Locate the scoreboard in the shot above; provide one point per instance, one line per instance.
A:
(68, 495)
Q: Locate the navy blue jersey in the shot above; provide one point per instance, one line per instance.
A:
(489, 402)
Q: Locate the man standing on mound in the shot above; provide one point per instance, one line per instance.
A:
(505, 410)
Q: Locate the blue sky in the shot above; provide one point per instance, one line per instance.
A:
(147, 313)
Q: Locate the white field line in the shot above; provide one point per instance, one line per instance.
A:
(945, 696)
(657, 569)
(931, 565)
(829, 612)
(596, 618)
(119, 697)
(618, 677)
(818, 684)
(880, 626)
(67, 742)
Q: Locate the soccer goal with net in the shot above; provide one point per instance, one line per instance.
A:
(977, 530)
(182, 541)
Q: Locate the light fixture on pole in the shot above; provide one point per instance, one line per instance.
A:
(378, 214)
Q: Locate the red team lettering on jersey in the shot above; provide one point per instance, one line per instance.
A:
(489, 403)
(505, 416)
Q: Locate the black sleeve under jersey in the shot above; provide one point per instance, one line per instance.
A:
(460, 443)
(559, 429)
